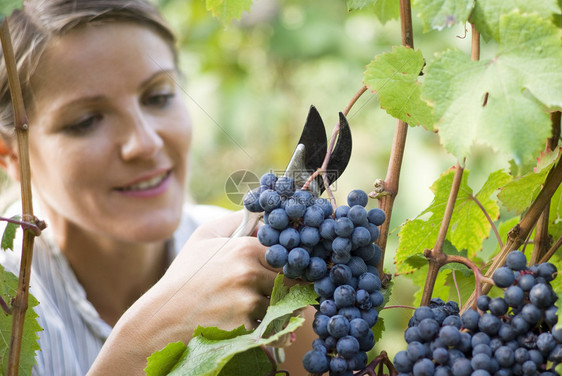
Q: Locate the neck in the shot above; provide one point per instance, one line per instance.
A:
(114, 274)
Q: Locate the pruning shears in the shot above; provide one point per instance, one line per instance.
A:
(308, 157)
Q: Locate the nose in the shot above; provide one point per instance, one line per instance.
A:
(142, 138)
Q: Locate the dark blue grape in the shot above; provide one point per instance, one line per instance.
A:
(285, 186)
(482, 349)
(294, 209)
(340, 274)
(289, 238)
(526, 282)
(412, 334)
(325, 287)
(251, 201)
(370, 315)
(555, 354)
(529, 368)
(304, 197)
(545, 342)
(363, 299)
(357, 197)
(338, 326)
(541, 296)
(424, 367)
(374, 231)
(547, 271)
(423, 312)
(453, 320)
(489, 324)
(341, 211)
(481, 361)
(480, 372)
(505, 356)
(450, 335)
(317, 269)
(350, 313)
(344, 296)
(402, 362)
(298, 258)
(519, 324)
(278, 219)
(465, 344)
(328, 307)
(313, 216)
(360, 237)
(376, 216)
(377, 298)
(326, 206)
(441, 355)
(342, 246)
(276, 256)
(309, 236)
(338, 366)
(357, 266)
(531, 313)
(369, 282)
(416, 350)
(359, 328)
(316, 362)
(550, 315)
(348, 346)
(442, 371)
(498, 306)
(291, 272)
(320, 325)
(514, 296)
(536, 357)
(341, 258)
(503, 277)
(358, 362)
(506, 332)
(344, 227)
(320, 250)
(483, 302)
(269, 200)
(268, 236)
(429, 328)
(480, 338)
(328, 229)
(358, 215)
(268, 179)
(439, 315)
(516, 260)
(470, 319)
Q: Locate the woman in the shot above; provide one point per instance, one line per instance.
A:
(109, 140)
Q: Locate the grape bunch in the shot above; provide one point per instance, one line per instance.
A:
(335, 250)
(513, 334)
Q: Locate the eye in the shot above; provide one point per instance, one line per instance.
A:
(159, 99)
(83, 125)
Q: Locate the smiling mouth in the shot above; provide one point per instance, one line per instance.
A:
(147, 184)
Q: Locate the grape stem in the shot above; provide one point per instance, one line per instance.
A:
(35, 226)
(381, 360)
(494, 228)
(20, 303)
(551, 251)
(399, 306)
(391, 182)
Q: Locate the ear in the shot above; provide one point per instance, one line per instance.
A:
(9, 160)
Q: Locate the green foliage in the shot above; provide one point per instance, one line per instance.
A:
(7, 6)
(385, 10)
(394, 77)
(469, 225)
(228, 10)
(213, 349)
(518, 194)
(439, 14)
(487, 13)
(503, 101)
(8, 289)
(9, 234)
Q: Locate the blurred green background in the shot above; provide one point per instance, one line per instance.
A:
(249, 86)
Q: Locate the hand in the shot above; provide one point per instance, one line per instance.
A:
(214, 281)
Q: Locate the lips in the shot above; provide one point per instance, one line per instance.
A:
(146, 184)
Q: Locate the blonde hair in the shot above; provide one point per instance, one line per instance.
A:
(40, 20)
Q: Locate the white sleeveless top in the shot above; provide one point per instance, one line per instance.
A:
(73, 332)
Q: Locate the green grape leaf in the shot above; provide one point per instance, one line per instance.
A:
(10, 234)
(212, 349)
(439, 14)
(255, 359)
(518, 194)
(228, 10)
(385, 10)
(465, 283)
(378, 329)
(486, 14)
(468, 227)
(499, 102)
(7, 6)
(161, 362)
(394, 77)
(8, 286)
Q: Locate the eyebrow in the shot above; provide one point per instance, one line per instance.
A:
(98, 98)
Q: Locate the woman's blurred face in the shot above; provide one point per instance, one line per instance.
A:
(110, 133)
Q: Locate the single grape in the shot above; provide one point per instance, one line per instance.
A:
(268, 236)
(325, 287)
(298, 258)
(545, 342)
(288, 238)
(531, 313)
(344, 296)
(358, 215)
(338, 365)
(483, 302)
(489, 324)
(276, 256)
(453, 320)
(350, 313)
(470, 319)
(341, 211)
(358, 328)
(423, 312)
(328, 307)
(348, 346)
(541, 296)
(377, 298)
(526, 282)
(340, 274)
(402, 362)
(505, 356)
(516, 260)
(317, 269)
(424, 367)
(326, 206)
(514, 296)
(344, 227)
(251, 201)
(342, 246)
(498, 306)
(357, 266)
(547, 271)
(278, 219)
(416, 350)
(376, 216)
(294, 209)
(309, 236)
(328, 229)
(429, 328)
(503, 277)
(441, 355)
(360, 237)
(357, 197)
(480, 338)
(338, 326)
(316, 362)
(313, 216)
(285, 186)
(320, 325)
(450, 335)
(482, 349)
(369, 282)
